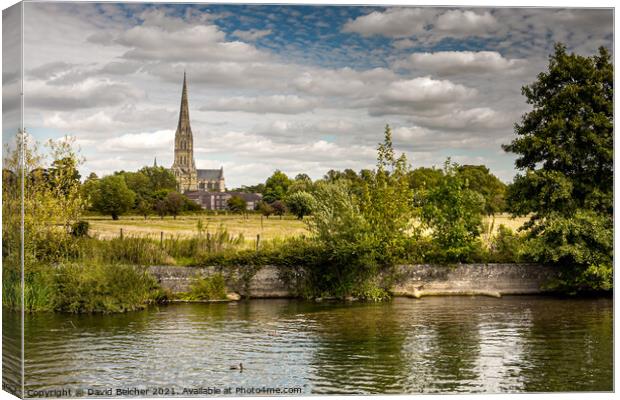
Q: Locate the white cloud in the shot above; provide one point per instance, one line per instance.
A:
(462, 62)
(89, 93)
(411, 96)
(280, 104)
(394, 22)
(159, 140)
(466, 22)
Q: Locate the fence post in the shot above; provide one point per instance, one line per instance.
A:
(161, 239)
(257, 241)
(121, 233)
(261, 222)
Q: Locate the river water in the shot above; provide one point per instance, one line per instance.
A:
(436, 344)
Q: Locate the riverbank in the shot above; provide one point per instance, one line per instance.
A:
(406, 281)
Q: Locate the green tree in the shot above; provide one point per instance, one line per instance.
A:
(160, 178)
(363, 232)
(301, 183)
(113, 197)
(144, 207)
(565, 155)
(425, 178)
(174, 203)
(300, 203)
(237, 204)
(481, 180)
(276, 187)
(279, 208)
(453, 213)
(265, 209)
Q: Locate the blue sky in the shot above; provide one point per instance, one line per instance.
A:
(296, 88)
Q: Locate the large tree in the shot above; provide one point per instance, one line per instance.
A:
(481, 180)
(565, 154)
(276, 187)
(112, 196)
(565, 143)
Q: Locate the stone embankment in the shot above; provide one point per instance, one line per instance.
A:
(409, 280)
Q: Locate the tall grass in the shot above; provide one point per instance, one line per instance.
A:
(81, 288)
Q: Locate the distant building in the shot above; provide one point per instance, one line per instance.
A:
(184, 168)
(219, 200)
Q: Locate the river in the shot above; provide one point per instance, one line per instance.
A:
(436, 344)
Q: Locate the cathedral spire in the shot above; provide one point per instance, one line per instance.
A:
(184, 126)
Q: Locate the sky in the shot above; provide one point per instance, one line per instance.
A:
(296, 88)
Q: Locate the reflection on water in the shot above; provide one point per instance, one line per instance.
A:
(441, 344)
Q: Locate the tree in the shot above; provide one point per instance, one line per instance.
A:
(113, 197)
(453, 213)
(425, 178)
(144, 207)
(174, 203)
(278, 208)
(566, 141)
(481, 180)
(302, 183)
(265, 209)
(565, 155)
(276, 186)
(300, 204)
(160, 178)
(237, 204)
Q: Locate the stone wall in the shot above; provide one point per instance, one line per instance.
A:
(410, 280)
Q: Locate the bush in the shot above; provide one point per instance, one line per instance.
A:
(581, 245)
(207, 288)
(82, 288)
(453, 213)
(80, 229)
(506, 246)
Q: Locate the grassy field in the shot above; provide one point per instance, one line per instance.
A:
(184, 226)
(268, 228)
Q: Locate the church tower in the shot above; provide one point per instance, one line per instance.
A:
(184, 168)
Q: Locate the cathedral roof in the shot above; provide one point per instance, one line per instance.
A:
(210, 174)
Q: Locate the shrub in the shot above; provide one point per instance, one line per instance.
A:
(453, 213)
(207, 288)
(80, 228)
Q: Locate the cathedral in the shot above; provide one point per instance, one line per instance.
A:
(184, 168)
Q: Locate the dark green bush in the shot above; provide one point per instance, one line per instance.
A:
(80, 229)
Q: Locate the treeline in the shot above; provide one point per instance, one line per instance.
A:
(150, 190)
(284, 194)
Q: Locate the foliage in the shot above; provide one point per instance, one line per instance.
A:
(360, 235)
(424, 178)
(237, 204)
(301, 183)
(566, 141)
(211, 287)
(80, 228)
(565, 148)
(506, 246)
(300, 203)
(174, 203)
(582, 244)
(276, 187)
(112, 196)
(480, 180)
(83, 288)
(52, 202)
(278, 207)
(453, 213)
(265, 209)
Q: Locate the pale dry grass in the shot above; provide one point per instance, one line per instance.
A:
(269, 228)
(185, 226)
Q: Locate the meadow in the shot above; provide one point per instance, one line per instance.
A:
(249, 226)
